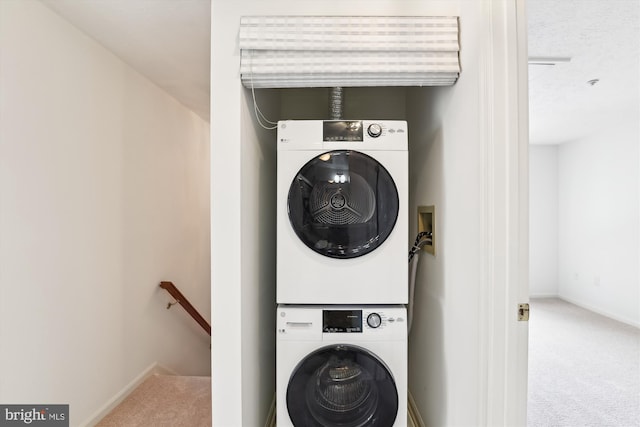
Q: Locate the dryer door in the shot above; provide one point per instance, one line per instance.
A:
(342, 385)
(343, 204)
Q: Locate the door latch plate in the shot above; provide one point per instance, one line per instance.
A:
(523, 312)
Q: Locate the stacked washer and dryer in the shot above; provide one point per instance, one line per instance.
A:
(342, 227)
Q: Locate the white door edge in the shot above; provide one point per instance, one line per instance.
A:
(504, 143)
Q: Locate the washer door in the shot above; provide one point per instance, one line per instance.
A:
(342, 386)
(343, 204)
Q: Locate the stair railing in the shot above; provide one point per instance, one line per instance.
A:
(184, 302)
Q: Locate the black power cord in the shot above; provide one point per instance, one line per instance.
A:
(423, 238)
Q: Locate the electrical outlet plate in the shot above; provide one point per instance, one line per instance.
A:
(427, 222)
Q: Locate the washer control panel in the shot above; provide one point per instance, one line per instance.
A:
(330, 323)
(374, 320)
(342, 321)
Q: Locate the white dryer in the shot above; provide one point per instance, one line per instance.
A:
(341, 366)
(342, 219)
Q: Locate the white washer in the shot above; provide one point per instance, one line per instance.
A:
(342, 219)
(341, 365)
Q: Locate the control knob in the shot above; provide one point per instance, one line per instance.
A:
(374, 130)
(374, 320)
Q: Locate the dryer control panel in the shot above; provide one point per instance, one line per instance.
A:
(353, 130)
(342, 130)
(388, 135)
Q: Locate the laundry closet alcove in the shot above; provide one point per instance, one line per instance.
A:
(447, 128)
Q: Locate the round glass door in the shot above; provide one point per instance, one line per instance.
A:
(343, 204)
(342, 386)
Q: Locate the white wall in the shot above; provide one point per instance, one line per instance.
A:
(448, 372)
(599, 220)
(467, 351)
(543, 224)
(258, 237)
(104, 190)
(585, 222)
(445, 171)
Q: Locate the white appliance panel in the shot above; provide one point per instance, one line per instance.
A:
(308, 277)
(299, 333)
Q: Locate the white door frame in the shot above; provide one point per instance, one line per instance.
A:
(504, 139)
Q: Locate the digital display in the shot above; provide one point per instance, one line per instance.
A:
(342, 130)
(342, 321)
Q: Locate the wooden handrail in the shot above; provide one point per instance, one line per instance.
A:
(184, 302)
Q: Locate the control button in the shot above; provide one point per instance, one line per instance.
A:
(374, 320)
(374, 130)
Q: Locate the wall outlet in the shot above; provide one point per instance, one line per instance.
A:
(427, 222)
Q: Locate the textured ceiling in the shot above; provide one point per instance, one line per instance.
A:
(602, 38)
(168, 41)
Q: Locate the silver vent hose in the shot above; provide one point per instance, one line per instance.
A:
(335, 103)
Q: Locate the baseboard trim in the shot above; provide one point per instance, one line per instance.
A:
(413, 414)
(600, 312)
(153, 369)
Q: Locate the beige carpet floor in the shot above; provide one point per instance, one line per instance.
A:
(164, 401)
(584, 368)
